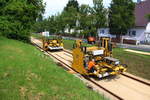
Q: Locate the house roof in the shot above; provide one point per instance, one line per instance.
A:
(141, 10)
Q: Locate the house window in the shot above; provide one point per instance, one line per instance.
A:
(129, 33)
(133, 33)
(148, 35)
(102, 31)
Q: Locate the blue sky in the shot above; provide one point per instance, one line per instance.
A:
(55, 6)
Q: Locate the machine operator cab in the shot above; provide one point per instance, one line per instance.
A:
(111, 61)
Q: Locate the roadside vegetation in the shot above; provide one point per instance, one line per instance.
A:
(84, 20)
(26, 74)
(68, 44)
(37, 36)
(138, 64)
(18, 16)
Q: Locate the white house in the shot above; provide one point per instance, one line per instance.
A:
(147, 33)
(141, 32)
(104, 32)
(46, 33)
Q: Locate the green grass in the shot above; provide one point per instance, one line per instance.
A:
(38, 36)
(68, 44)
(138, 64)
(26, 74)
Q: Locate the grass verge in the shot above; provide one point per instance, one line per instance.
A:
(138, 64)
(26, 74)
(38, 36)
(68, 44)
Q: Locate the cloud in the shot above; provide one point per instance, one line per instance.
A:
(54, 6)
(106, 2)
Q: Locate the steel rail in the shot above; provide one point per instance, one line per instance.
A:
(141, 81)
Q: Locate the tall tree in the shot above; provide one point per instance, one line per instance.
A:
(72, 3)
(99, 13)
(70, 14)
(121, 16)
(148, 17)
(70, 17)
(86, 20)
(17, 17)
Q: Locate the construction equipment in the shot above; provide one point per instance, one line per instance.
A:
(55, 43)
(105, 64)
(91, 40)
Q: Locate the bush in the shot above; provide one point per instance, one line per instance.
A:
(18, 16)
(148, 16)
(19, 37)
(13, 30)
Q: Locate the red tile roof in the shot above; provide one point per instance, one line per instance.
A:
(141, 10)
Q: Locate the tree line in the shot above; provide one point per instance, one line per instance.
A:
(85, 20)
(18, 16)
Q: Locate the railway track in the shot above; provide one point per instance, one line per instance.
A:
(124, 87)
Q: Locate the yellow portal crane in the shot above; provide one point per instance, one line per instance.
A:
(105, 64)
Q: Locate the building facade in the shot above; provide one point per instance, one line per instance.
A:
(141, 32)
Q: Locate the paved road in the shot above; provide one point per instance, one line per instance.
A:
(135, 47)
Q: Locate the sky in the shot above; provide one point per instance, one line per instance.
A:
(55, 6)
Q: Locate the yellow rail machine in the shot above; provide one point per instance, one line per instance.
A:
(105, 64)
(53, 44)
